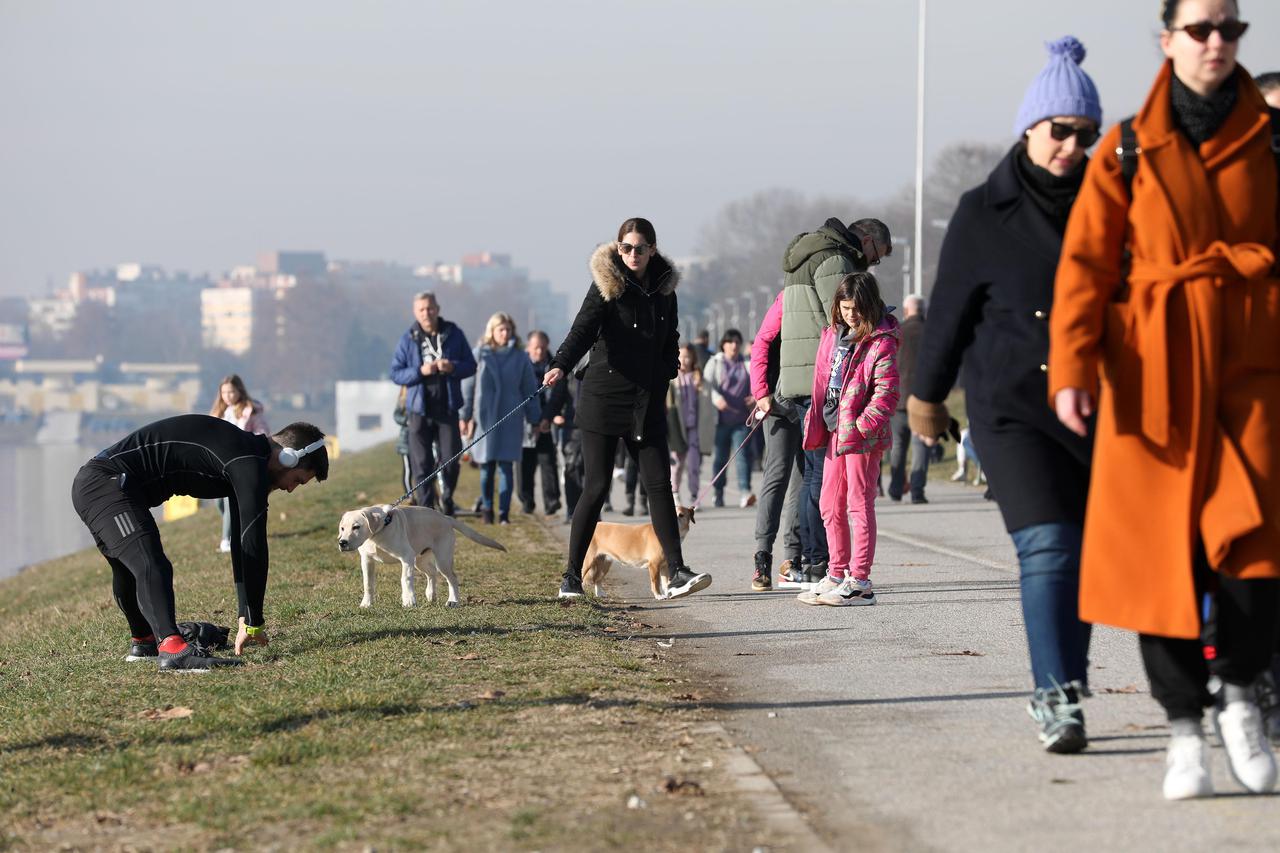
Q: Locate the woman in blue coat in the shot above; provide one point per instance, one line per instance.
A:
(504, 377)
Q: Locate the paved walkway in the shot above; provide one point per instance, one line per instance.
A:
(902, 726)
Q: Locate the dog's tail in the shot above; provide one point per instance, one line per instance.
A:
(476, 537)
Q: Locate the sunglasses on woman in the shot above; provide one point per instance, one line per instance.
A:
(1230, 30)
(1086, 136)
(640, 250)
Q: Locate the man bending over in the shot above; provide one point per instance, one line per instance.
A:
(204, 457)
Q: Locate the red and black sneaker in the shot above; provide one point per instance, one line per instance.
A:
(760, 581)
(189, 657)
(142, 648)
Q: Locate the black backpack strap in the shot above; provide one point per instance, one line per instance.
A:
(1275, 135)
(1129, 151)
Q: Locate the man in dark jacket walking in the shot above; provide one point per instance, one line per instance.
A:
(912, 330)
(431, 361)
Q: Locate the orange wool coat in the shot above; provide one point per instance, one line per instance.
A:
(1184, 362)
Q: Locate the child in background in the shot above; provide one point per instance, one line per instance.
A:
(234, 405)
(855, 393)
(684, 397)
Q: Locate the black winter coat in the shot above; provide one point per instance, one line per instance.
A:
(632, 332)
(911, 331)
(990, 311)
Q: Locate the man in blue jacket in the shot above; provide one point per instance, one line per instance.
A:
(431, 361)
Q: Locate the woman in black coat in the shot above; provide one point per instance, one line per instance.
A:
(628, 322)
(990, 312)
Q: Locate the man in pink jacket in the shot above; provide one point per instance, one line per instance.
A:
(784, 467)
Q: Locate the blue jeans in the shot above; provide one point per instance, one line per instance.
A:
(728, 437)
(1049, 558)
(504, 486)
(813, 534)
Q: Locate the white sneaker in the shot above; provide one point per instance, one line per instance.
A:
(1187, 774)
(958, 475)
(747, 500)
(851, 592)
(1243, 734)
(813, 590)
(225, 546)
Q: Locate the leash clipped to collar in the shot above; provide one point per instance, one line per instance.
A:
(458, 455)
(757, 416)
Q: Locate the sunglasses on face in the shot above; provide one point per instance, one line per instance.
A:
(1230, 29)
(1086, 136)
(640, 250)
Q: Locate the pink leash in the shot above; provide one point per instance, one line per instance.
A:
(757, 416)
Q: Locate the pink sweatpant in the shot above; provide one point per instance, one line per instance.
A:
(849, 489)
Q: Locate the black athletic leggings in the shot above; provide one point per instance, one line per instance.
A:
(1242, 626)
(126, 534)
(142, 584)
(654, 460)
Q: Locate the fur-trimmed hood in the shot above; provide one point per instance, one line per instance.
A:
(611, 277)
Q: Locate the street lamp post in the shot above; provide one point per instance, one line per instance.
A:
(918, 243)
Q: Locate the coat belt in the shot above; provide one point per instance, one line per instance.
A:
(1151, 283)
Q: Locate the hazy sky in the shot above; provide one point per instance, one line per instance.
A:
(195, 135)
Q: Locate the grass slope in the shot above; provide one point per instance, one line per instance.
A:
(511, 723)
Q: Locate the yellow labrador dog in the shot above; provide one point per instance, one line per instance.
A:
(405, 534)
(633, 545)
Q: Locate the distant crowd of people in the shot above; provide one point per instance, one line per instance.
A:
(1115, 320)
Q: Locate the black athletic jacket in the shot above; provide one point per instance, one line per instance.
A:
(205, 457)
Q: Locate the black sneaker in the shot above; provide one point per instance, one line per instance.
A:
(685, 581)
(142, 650)
(570, 587)
(919, 499)
(191, 659)
(761, 581)
(1061, 719)
(815, 572)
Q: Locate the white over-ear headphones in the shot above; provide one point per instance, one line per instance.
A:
(289, 457)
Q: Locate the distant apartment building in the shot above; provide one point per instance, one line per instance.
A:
(299, 264)
(226, 318)
(52, 316)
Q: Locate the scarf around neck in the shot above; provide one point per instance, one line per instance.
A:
(1053, 194)
(1200, 118)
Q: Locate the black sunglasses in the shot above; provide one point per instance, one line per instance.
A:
(1086, 136)
(626, 249)
(1230, 29)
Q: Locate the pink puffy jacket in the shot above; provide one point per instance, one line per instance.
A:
(868, 395)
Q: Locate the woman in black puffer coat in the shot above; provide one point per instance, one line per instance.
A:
(628, 321)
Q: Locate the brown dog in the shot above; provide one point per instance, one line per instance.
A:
(632, 545)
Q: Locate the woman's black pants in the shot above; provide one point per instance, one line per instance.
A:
(1240, 626)
(654, 461)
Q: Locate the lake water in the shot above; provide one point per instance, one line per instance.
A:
(37, 521)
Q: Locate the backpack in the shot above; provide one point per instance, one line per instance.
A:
(1128, 154)
(1129, 150)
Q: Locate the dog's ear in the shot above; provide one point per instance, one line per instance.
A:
(376, 517)
(692, 518)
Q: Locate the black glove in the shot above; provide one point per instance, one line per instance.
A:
(205, 635)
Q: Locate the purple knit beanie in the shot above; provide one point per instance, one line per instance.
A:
(1061, 88)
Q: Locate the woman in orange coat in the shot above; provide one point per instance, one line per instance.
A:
(1185, 496)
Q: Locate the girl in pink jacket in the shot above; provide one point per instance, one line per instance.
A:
(855, 392)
